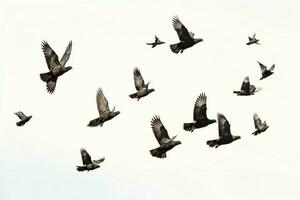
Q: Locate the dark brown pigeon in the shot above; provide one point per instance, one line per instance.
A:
(252, 40)
(264, 71)
(24, 119)
(156, 42)
(140, 86)
(259, 126)
(88, 163)
(247, 89)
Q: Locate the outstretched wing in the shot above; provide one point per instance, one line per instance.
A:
(262, 67)
(159, 130)
(224, 126)
(86, 158)
(181, 30)
(272, 67)
(200, 107)
(246, 85)
(138, 79)
(257, 121)
(50, 55)
(102, 103)
(66, 55)
(99, 161)
(21, 115)
(156, 39)
(253, 37)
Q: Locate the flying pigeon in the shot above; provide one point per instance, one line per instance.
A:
(104, 112)
(264, 71)
(87, 162)
(247, 89)
(252, 40)
(186, 38)
(56, 67)
(24, 119)
(161, 134)
(200, 118)
(156, 42)
(224, 133)
(260, 127)
(142, 89)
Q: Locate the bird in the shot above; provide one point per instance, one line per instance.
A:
(224, 133)
(24, 119)
(56, 67)
(259, 126)
(88, 163)
(186, 38)
(264, 71)
(252, 40)
(247, 89)
(200, 118)
(142, 88)
(161, 134)
(105, 113)
(156, 42)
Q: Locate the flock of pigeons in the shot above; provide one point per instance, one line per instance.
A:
(57, 68)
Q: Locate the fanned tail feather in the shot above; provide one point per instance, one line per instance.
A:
(46, 76)
(157, 153)
(94, 122)
(188, 126)
(175, 48)
(81, 168)
(212, 143)
(133, 95)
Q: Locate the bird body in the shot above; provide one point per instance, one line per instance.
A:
(142, 88)
(156, 42)
(246, 88)
(23, 118)
(266, 72)
(88, 163)
(252, 40)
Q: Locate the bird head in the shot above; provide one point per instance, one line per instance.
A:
(65, 69)
(211, 121)
(115, 113)
(196, 40)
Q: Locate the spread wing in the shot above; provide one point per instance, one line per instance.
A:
(86, 158)
(246, 85)
(200, 107)
(272, 67)
(50, 55)
(138, 80)
(21, 115)
(262, 67)
(181, 30)
(99, 161)
(102, 103)
(253, 37)
(224, 126)
(257, 121)
(159, 130)
(66, 55)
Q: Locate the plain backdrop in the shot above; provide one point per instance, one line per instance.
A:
(38, 161)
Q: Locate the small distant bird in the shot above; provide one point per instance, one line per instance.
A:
(224, 133)
(156, 42)
(247, 89)
(252, 40)
(88, 164)
(161, 135)
(104, 112)
(259, 126)
(56, 67)
(142, 89)
(24, 119)
(200, 118)
(186, 38)
(264, 71)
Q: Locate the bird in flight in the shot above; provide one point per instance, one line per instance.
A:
(259, 126)
(140, 86)
(105, 113)
(161, 134)
(247, 89)
(264, 71)
(186, 38)
(252, 40)
(225, 136)
(156, 42)
(23, 118)
(200, 118)
(88, 163)
(56, 67)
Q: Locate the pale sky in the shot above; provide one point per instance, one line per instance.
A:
(38, 161)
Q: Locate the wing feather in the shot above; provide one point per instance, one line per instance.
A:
(200, 107)
(50, 55)
(262, 67)
(246, 85)
(21, 115)
(66, 55)
(160, 132)
(182, 32)
(138, 79)
(102, 103)
(86, 158)
(224, 126)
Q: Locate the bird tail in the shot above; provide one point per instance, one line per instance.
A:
(20, 123)
(188, 126)
(80, 168)
(237, 92)
(46, 77)
(94, 122)
(255, 132)
(212, 143)
(158, 153)
(134, 95)
(175, 48)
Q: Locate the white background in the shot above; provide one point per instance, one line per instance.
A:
(38, 161)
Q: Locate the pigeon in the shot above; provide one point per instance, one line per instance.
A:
(156, 42)
(24, 119)
(264, 71)
(104, 112)
(224, 133)
(186, 38)
(56, 67)
(200, 118)
(260, 127)
(88, 163)
(142, 89)
(161, 134)
(247, 89)
(252, 40)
